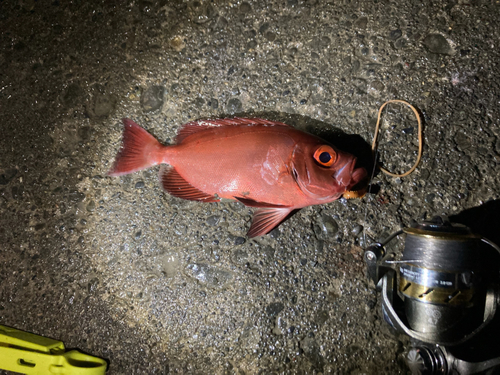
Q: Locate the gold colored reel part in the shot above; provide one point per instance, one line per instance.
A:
(442, 296)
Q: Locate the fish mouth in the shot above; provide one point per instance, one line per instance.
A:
(358, 175)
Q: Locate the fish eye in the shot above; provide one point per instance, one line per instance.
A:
(325, 155)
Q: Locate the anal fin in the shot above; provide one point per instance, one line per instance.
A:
(177, 186)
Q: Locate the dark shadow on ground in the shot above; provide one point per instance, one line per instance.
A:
(485, 221)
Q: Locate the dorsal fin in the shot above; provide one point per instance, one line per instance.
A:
(199, 125)
(177, 186)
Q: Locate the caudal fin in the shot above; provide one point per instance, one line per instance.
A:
(139, 150)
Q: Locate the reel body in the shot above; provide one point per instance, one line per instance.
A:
(441, 293)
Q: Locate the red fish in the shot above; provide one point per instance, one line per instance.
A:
(264, 164)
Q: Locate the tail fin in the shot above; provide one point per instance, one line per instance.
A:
(139, 150)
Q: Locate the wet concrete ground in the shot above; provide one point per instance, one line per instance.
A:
(156, 285)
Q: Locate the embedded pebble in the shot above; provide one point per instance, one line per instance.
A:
(170, 265)
(214, 103)
(263, 28)
(39, 226)
(361, 23)
(84, 133)
(213, 220)
(240, 256)
(325, 227)
(395, 34)
(436, 43)
(424, 174)
(91, 206)
(245, 8)
(7, 176)
(462, 141)
(400, 43)
(234, 105)
(267, 254)
(199, 102)
(177, 43)
(274, 309)
(275, 233)
(239, 241)
(249, 338)
(76, 196)
(355, 66)
(429, 198)
(101, 105)
(209, 275)
(17, 191)
(139, 185)
(251, 44)
(152, 98)
(270, 36)
(73, 95)
(312, 351)
(357, 229)
(377, 86)
(202, 13)
(321, 317)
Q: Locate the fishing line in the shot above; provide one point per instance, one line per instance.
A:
(369, 194)
(375, 156)
(375, 150)
(420, 141)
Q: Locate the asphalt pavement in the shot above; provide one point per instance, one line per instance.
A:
(119, 269)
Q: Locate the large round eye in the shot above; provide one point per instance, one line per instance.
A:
(325, 155)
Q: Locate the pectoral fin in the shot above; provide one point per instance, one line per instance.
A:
(266, 219)
(177, 186)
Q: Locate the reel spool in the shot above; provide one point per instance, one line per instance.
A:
(439, 278)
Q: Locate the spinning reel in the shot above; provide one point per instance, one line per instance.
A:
(442, 293)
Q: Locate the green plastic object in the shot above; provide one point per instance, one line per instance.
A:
(31, 354)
